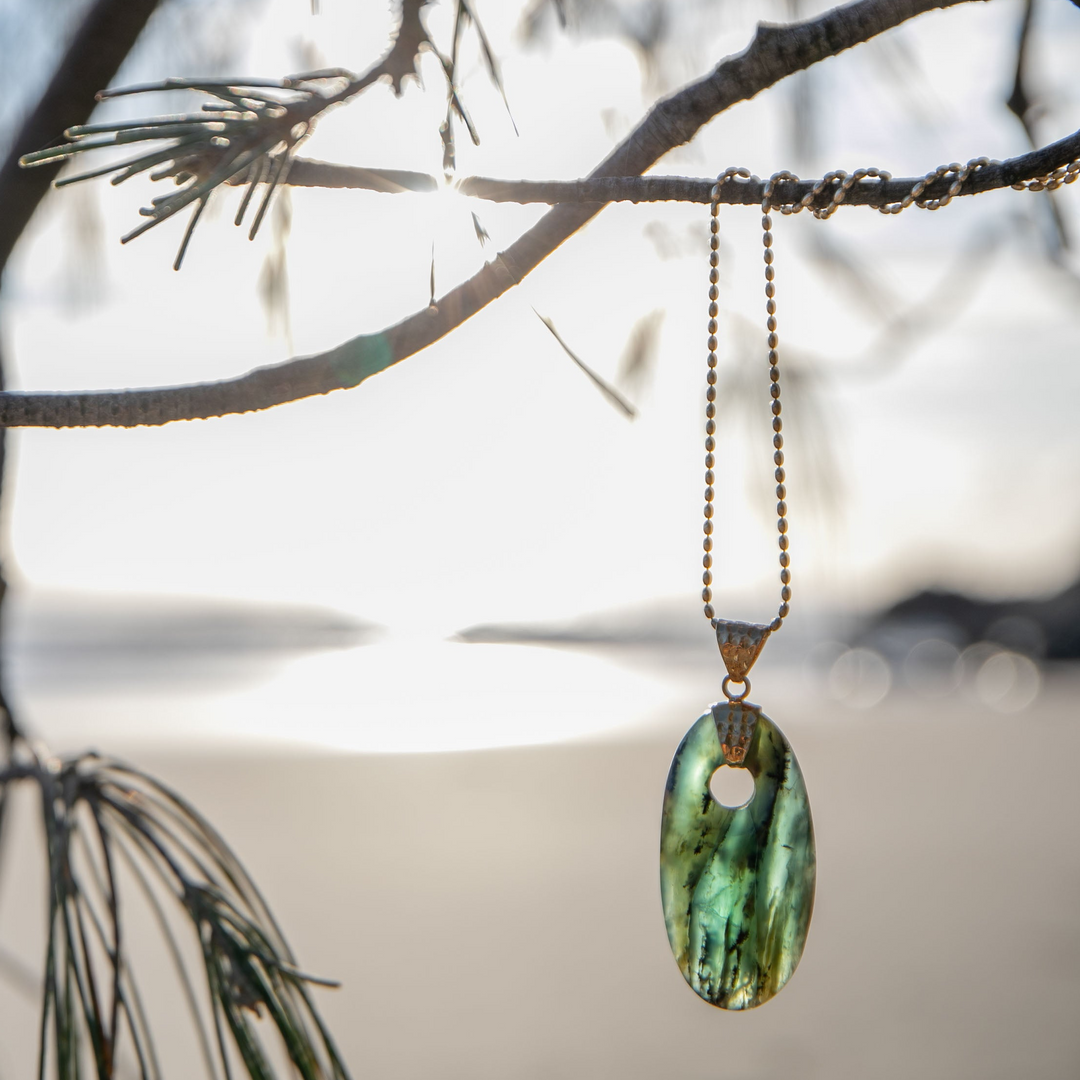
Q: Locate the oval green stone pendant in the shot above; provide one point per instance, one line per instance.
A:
(737, 884)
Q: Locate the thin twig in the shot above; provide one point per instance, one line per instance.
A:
(307, 172)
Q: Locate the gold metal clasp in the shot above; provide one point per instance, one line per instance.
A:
(740, 645)
(735, 728)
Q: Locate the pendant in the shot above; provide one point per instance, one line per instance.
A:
(737, 883)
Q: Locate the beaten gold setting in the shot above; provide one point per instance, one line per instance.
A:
(740, 645)
(734, 729)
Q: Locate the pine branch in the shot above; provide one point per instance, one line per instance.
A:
(247, 134)
(774, 53)
(99, 812)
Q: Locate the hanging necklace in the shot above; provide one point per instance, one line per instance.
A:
(737, 883)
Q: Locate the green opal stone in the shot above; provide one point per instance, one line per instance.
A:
(737, 884)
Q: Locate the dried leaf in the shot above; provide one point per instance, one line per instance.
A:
(481, 232)
(490, 60)
(599, 382)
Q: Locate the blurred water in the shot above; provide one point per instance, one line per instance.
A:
(97, 670)
(494, 912)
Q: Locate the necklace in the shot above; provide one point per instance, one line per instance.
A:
(737, 883)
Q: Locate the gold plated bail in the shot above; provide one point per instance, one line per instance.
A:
(740, 645)
(735, 724)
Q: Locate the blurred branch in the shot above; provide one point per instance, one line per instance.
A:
(1026, 110)
(96, 52)
(1018, 102)
(943, 303)
(308, 173)
(773, 54)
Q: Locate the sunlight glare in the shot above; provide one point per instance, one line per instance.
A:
(412, 695)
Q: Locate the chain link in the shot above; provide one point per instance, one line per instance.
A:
(959, 172)
(1051, 181)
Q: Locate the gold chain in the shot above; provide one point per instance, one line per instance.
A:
(1052, 181)
(841, 183)
(774, 391)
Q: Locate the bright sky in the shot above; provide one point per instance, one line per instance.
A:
(485, 479)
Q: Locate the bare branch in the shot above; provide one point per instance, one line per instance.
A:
(874, 193)
(774, 53)
(102, 41)
(1018, 102)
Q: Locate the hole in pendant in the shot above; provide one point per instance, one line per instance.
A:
(732, 787)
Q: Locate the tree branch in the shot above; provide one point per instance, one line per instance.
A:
(100, 44)
(774, 53)
(96, 52)
(644, 189)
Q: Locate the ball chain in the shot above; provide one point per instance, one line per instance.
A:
(774, 392)
(710, 379)
(1052, 181)
(841, 183)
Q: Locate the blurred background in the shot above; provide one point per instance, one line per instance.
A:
(422, 650)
